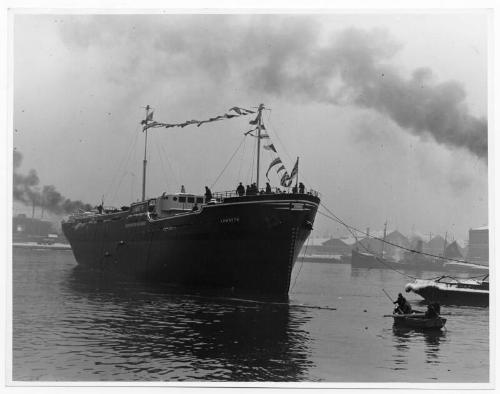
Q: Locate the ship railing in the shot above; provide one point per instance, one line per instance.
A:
(82, 215)
(221, 196)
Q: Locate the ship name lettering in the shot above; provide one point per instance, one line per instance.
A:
(230, 220)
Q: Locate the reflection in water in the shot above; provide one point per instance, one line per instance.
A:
(402, 347)
(74, 325)
(431, 337)
(183, 336)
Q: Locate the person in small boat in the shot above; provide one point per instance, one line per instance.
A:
(268, 188)
(403, 307)
(240, 189)
(301, 188)
(195, 207)
(432, 311)
(294, 189)
(208, 194)
(248, 191)
(183, 189)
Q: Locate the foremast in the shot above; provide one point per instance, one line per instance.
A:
(286, 179)
(145, 161)
(259, 128)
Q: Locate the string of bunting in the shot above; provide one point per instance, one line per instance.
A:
(232, 113)
(285, 180)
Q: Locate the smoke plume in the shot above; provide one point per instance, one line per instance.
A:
(352, 69)
(286, 56)
(26, 190)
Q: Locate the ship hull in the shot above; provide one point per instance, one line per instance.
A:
(454, 296)
(248, 243)
(451, 293)
(368, 260)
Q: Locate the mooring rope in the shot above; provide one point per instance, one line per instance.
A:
(351, 228)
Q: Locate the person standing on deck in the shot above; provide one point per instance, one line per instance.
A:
(208, 194)
(240, 189)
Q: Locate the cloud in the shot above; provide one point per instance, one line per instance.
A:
(284, 56)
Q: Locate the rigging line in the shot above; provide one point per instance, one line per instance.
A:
(253, 160)
(229, 161)
(124, 164)
(337, 219)
(380, 260)
(279, 139)
(174, 173)
(162, 164)
(459, 279)
(121, 163)
(121, 170)
(301, 263)
(282, 145)
(242, 159)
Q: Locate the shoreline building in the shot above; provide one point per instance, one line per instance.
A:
(478, 245)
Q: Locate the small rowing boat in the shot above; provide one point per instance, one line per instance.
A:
(418, 320)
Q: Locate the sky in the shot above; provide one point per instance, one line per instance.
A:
(387, 111)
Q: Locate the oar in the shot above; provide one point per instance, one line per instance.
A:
(388, 296)
(412, 315)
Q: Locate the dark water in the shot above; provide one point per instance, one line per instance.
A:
(72, 325)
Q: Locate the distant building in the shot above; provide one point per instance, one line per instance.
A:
(478, 251)
(435, 246)
(25, 227)
(453, 251)
(337, 246)
(328, 246)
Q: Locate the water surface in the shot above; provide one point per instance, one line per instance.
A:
(70, 324)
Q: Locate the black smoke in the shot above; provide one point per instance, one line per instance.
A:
(285, 56)
(352, 68)
(26, 189)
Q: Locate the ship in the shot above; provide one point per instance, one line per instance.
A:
(365, 258)
(238, 240)
(453, 291)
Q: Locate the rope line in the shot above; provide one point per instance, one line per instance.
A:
(174, 173)
(301, 263)
(229, 161)
(162, 164)
(242, 158)
(121, 169)
(338, 220)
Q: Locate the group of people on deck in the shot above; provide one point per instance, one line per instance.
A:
(252, 189)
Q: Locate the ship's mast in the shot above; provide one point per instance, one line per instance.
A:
(145, 161)
(259, 127)
(445, 243)
(383, 243)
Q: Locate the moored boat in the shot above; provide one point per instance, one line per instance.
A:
(369, 260)
(320, 258)
(450, 290)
